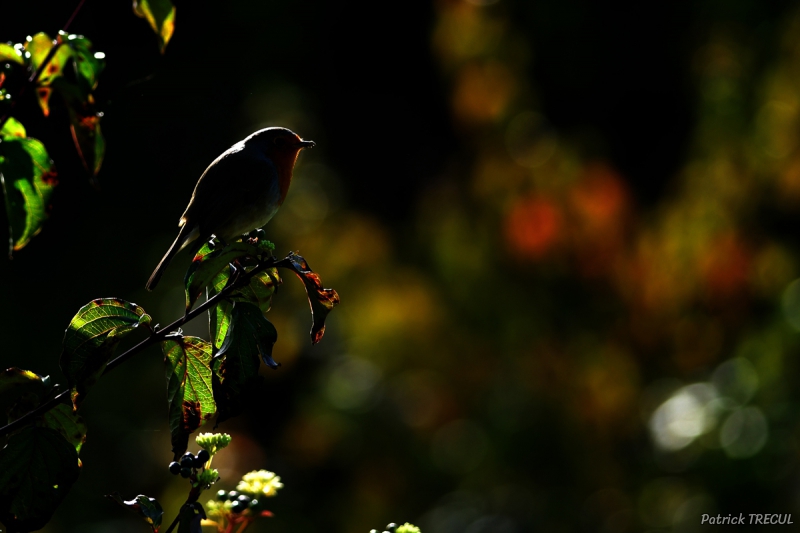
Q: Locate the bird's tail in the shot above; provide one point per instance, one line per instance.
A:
(184, 237)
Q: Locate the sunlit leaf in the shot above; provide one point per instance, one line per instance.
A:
(219, 316)
(148, 508)
(88, 63)
(9, 53)
(207, 263)
(260, 289)
(68, 423)
(189, 390)
(250, 337)
(37, 469)
(21, 386)
(12, 129)
(160, 14)
(39, 47)
(322, 300)
(28, 177)
(91, 338)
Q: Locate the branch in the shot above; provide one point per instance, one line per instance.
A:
(38, 72)
(156, 336)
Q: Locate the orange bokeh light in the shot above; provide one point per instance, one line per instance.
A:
(533, 226)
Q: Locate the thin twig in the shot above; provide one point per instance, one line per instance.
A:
(34, 77)
(155, 336)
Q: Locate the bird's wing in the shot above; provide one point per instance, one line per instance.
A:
(238, 181)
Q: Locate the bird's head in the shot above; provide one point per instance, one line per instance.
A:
(279, 144)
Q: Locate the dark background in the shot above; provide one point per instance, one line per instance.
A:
(506, 376)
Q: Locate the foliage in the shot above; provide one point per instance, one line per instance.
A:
(69, 66)
(201, 382)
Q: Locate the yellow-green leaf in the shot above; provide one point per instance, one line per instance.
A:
(92, 337)
(189, 390)
(11, 129)
(28, 177)
(160, 14)
(8, 52)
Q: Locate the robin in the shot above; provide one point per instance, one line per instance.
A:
(241, 190)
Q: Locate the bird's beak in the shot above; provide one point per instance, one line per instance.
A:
(306, 144)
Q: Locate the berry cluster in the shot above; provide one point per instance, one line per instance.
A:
(189, 463)
(239, 502)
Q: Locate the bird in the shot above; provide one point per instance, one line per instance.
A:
(241, 190)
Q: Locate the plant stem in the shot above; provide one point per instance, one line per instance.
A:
(38, 72)
(155, 336)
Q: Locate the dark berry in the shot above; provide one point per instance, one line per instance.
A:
(187, 461)
(232, 495)
(204, 456)
(253, 503)
(186, 471)
(222, 495)
(238, 507)
(174, 468)
(244, 498)
(391, 527)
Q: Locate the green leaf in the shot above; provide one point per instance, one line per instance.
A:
(249, 337)
(219, 317)
(91, 338)
(321, 300)
(146, 507)
(189, 390)
(69, 424)
(21, 390)
(39, 47)
(160, 14)
(88, 63)
(258, 292)
(28, 177)
(37, 469)
(8, 52)
(260, 289)
(207, 263)
(12, 129)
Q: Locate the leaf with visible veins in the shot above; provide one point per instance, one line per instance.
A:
(189, 390)
(92, 337)
(250, 337)
(208, 263)
(219, 317)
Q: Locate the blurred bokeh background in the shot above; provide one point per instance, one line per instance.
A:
(564, 234)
